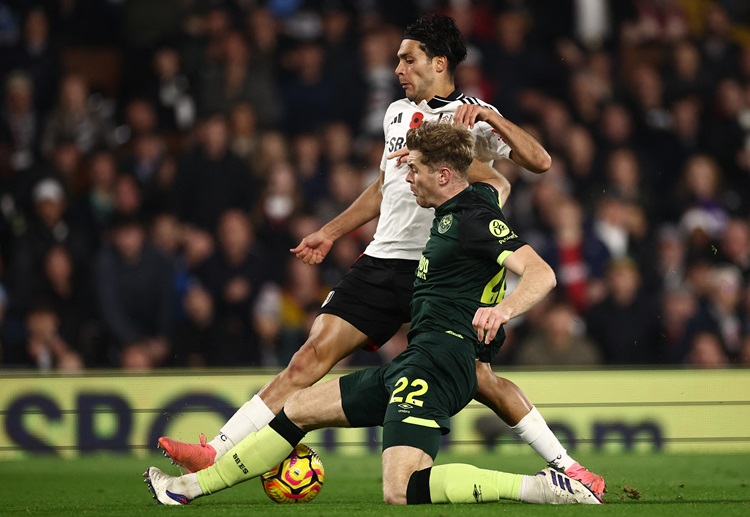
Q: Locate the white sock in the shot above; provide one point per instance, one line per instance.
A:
(187, 485)
(532, 490)
(253, 416)
(534, 431)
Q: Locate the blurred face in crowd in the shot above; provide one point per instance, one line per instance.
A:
(235, 234)
(73, 93)
(128, 240)
(243, 119)
(50, 211)
(166, 234)
(624, 280)
(18, 95)
(141, 117)
(199, 305)
(36, 27)
(166, 62)
(58, 265)
(215, 137)
(127, 195)
(102, 172)
(701, 177)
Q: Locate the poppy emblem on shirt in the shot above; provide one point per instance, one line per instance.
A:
(499, 228)
(416, 119)
(445, 223)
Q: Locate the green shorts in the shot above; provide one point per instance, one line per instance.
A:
(414, 397)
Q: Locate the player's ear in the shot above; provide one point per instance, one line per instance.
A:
(440, 63)
(444, 175)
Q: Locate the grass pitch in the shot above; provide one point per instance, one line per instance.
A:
(639, 485)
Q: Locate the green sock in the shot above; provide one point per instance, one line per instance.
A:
(255, 454)
(460, 483)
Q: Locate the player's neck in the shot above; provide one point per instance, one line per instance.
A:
(450, 191)
(443, 90)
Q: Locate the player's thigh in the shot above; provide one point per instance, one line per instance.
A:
(331, 339)
(317, 406)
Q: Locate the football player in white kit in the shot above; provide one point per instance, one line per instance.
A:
(371, 302)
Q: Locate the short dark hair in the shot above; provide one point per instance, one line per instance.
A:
(443, 144)
(439, 36)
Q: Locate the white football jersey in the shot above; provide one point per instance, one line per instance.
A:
(404, 226)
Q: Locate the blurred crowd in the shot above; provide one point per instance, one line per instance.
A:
(159, 158)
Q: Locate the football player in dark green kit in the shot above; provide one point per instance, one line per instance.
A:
(458, 310)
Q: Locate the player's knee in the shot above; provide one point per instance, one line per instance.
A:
(304, 365)
(487, 382)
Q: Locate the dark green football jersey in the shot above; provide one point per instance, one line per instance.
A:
(461, 266)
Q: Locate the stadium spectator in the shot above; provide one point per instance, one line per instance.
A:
(678, 305)
(39, 55)
(133, 283)
(706, 351)
(308, 95)
(45, 347)
(20, 121)
(720, 313)
(75, 118)
(171, 91)
(559, 340)
(232, 78)
(576, 254)
(46, 228)
(235, 275)
(194, 338)
(68, 293)
(93, 209)
(211, 178)
(245, 139)
(626, 324)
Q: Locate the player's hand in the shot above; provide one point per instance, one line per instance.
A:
(487, 322)
(469, 114)
(401, 156)
(313, 248)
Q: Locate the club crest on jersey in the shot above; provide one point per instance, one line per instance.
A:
(445, 223)
(498, 228)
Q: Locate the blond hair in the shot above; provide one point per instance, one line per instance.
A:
(443, 144)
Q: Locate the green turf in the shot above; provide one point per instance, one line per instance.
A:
(639, 484)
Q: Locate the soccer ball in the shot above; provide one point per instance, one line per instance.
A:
(298, 478)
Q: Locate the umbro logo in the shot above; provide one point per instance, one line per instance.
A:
(405, 406)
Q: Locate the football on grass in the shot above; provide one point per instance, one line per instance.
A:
(298, 479)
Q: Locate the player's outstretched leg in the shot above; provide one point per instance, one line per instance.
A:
(331, 339)
(510, 403)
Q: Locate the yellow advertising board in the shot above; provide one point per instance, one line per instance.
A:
(669, 410)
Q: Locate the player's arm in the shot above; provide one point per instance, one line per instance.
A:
(536, 279)
(526, 151)
(481, 171)
(314, 248)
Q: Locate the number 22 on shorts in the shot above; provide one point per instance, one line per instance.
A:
(419, 387)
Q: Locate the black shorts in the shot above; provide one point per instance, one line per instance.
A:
(374, 296)
(415, 395)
